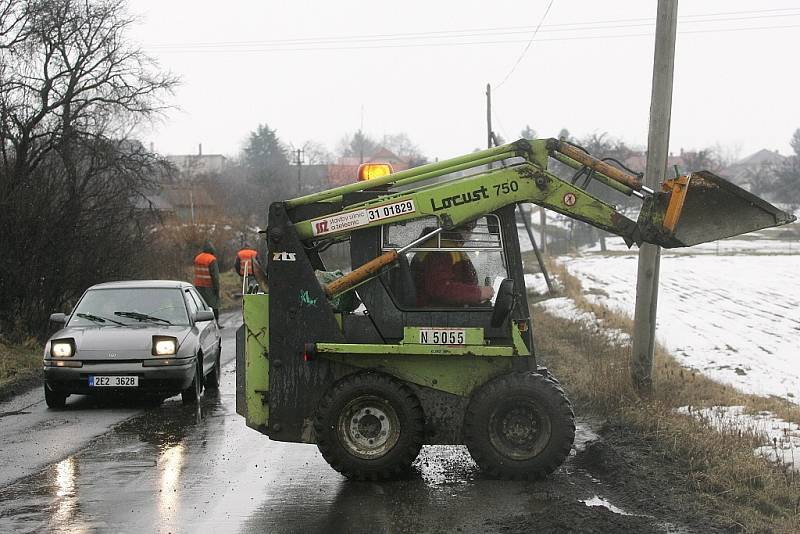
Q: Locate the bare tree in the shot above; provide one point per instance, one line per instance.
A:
(701, 160)
(315, 153)
(73, 184)
(405, 149)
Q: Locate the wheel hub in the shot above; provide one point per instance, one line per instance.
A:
(519, 426)
(368, 427)
(518, 430)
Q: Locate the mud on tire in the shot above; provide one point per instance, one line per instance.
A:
(369, 426)
(519, 426)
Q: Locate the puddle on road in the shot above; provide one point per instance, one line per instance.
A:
(132, 475)
(600, 501)
(445, 464)
(176, 469)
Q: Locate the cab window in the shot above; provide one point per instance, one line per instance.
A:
(457, 268)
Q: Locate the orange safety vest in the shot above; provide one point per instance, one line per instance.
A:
(246, 255)
(202, 271)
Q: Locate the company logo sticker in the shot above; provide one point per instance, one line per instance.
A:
(570, 199)
(362, 217)
(284, 256)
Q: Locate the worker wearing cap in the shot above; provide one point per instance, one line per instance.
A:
(206, 277)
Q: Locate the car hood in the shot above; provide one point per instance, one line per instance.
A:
(123, 341)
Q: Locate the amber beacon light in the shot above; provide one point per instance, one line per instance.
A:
(369, 171)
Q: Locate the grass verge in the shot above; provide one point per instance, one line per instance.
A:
(741, 490)
(20, 367)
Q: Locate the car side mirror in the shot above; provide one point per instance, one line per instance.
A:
(58, 318)
(504, 302)
(201, 316)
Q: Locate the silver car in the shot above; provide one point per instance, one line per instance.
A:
(153, 337)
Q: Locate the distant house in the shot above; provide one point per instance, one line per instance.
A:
(156, 202)
(384, 155)
(315, 178)
(755, 169)
(196, 165)
(190, 203)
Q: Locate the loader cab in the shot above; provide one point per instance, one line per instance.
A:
(438, 282)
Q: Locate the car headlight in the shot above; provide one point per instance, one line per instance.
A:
(164, 346)
(62, 348)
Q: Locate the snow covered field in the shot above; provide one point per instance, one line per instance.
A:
(734, 315)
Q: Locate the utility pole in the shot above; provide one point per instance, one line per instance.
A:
(491, 140)
(644, 328)
(299, 161)
(543, 226)
(489, 136)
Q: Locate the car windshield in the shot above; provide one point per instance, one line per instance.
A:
(129, 306)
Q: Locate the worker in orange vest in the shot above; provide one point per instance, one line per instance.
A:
(206, 277)
(244, 260)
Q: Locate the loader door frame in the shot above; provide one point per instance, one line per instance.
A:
(390, 317)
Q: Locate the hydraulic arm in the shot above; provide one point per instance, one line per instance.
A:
(688, 210)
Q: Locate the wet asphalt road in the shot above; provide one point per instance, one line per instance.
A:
(200, 469)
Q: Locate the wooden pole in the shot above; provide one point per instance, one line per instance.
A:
(644, 328)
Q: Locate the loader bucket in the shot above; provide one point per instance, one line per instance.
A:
(702, 207)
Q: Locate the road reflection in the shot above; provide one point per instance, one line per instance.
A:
(170, 464)
(321, 500)
(66, 503)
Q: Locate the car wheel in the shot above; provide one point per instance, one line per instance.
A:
(519, 426)
(213, 378)
(54, 399)
(191, 395)
(369, 426)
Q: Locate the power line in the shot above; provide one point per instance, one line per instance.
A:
(477, 32)
(527, 47)
(279, 48)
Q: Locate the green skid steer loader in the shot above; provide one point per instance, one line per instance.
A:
(440, 349)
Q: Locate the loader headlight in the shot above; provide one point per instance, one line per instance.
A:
(164, 345)
(62, 348)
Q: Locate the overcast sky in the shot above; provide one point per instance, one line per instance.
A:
(308, 69)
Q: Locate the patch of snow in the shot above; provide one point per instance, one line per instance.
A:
(536, 282)
(599, 501)
(584, 434)
(781, 438)
(734, 318)
(565, 308)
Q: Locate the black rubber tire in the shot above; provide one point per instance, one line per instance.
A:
(191, 395)
(519, 426)
(212, 379)
(400, 419)
(54, 399)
